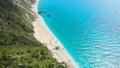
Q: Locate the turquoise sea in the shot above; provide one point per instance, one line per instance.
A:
(88, 29)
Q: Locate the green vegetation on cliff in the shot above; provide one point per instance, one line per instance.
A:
(18, 47)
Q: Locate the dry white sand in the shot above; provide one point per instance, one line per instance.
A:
(43, 34)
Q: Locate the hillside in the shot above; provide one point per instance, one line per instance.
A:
(18, 47)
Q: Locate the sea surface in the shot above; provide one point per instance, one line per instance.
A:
(88, 29)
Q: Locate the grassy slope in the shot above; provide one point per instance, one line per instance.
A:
(18, 47)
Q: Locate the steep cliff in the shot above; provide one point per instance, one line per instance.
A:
(18, 47)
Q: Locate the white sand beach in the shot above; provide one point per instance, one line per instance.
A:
(43, 34)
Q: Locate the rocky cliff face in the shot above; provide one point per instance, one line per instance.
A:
(16, 20)
(28, 2)
(18, 47)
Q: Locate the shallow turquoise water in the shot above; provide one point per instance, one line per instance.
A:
(88, 29)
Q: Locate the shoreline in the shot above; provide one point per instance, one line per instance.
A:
(45, 36)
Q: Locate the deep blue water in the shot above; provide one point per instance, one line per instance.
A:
(88, 29)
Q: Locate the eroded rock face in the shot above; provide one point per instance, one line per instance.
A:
(29, 1)
(25, 2)
(26, 5)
